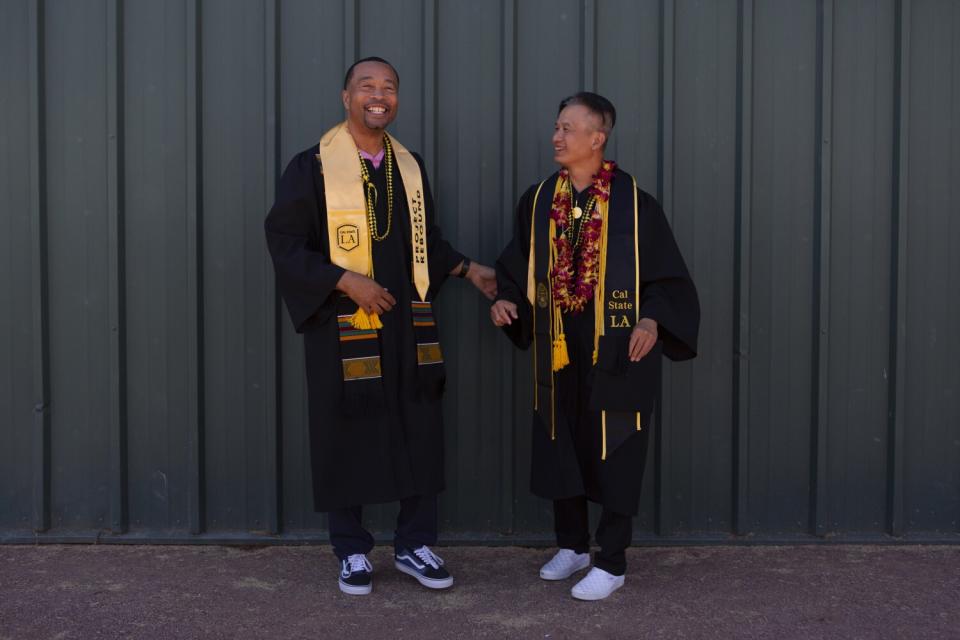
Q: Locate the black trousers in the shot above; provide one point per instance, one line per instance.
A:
(614, 532)
(416, 526)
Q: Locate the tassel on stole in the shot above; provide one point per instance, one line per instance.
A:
(560, 356)
(363, 320)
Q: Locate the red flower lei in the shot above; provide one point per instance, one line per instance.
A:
(570, 294)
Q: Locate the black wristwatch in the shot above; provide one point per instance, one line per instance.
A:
(464, 267)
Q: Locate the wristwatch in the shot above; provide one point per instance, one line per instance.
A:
(464, 267)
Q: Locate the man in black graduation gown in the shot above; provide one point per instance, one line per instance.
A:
(594, 281)
(359, 261)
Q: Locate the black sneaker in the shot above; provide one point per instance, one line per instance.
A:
(355, 575)
(424, 565)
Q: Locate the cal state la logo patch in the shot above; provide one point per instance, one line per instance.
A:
(543, 297)
(348, 237)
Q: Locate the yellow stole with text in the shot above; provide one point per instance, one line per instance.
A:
(350, 243)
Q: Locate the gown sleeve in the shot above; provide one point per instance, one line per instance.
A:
(668, 294)
(511, 269)
(296, 232)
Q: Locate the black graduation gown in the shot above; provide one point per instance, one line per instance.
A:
(386, 453)
(570, 464)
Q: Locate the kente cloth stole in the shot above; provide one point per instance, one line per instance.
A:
(350, 244)
(616, 298)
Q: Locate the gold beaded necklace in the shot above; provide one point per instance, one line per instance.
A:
(371, 191)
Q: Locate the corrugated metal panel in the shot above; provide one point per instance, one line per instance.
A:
(929, 262)
(805, 153)
(855, 370)
(21, 212)
(157, 266)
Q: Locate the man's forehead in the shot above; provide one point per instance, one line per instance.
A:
(373, 70)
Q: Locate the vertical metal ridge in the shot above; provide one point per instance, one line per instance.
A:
(351, 32)
(666, 81)
(665, 139)
(743, 209)
(508, 188)
(116, 259)
(272, 337)
(194, 177)
(428, 115)
(823, 193)
(588, 46)
(898, 270)
(38, 271)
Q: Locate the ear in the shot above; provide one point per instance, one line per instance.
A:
(345, 98)
(599, 139)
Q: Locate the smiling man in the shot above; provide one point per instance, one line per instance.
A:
(593, 279)
(359, 262)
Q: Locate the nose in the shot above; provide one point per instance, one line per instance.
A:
(556, 136)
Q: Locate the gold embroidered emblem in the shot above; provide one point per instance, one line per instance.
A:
(542, 297)
(361, 368)
(429, 353)
(348, 237)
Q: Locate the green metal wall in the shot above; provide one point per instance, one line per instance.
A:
(807, 154)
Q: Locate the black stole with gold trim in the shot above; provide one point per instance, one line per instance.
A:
(621, 390)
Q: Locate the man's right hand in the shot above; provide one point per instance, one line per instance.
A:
(503, 312)
(369, 295)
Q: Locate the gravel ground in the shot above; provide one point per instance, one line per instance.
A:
(114, 591)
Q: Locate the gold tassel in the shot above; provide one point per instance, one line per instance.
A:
(363, 320)
(560, 356)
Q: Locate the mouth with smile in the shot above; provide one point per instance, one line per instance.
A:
(377, 109)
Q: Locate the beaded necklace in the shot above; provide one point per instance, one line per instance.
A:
(574, 230)
(371, 191)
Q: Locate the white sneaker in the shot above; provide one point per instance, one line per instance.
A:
(596, 585)
(564, 564)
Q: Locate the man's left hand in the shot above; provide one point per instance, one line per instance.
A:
(642, 339)
(483, 278)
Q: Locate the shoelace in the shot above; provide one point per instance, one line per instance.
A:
(359, 562)
(429, 557)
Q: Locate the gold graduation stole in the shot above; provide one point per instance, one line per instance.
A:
(616, 307)
(348, 232)
(350, 243)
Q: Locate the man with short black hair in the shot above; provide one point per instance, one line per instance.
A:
(594, 281)
(359, 262)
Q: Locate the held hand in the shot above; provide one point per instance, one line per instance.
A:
(367, 293)
(642, 339)
(483, 278)
(503, 312)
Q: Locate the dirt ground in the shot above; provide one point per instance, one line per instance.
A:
(107, 591)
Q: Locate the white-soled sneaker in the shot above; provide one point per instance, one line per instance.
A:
(424, 565)
(596, 585)
(356, 575)
(564, 564)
